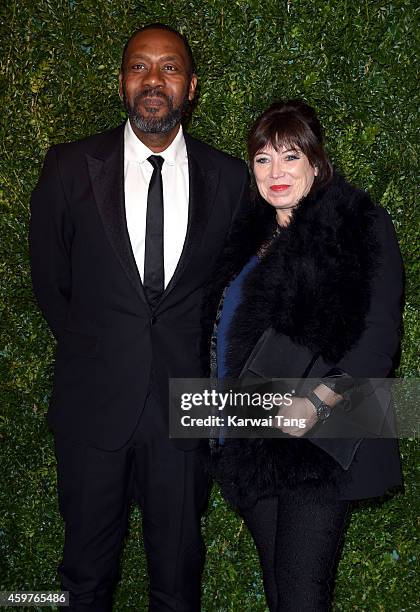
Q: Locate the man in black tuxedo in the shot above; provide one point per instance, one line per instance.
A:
(125, 228)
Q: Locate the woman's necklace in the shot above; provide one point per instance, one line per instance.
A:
(267, 243)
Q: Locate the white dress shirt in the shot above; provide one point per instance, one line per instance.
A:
(137, 174)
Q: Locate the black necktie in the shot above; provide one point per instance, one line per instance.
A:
(153, 255)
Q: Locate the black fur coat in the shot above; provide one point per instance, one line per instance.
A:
(312, 284)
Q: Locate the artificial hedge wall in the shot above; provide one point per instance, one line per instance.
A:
(355, 62)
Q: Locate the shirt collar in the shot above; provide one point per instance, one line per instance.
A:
(135, 150)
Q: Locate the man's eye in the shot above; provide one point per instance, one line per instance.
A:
(138, 66)
(169, 67)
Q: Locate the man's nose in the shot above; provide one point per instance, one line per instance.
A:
(154, 76)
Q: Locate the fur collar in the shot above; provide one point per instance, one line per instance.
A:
(312, 284)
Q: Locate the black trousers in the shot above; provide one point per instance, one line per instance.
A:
(95, 490)
(298, 546)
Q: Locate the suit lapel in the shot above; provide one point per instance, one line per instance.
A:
(203, 182)
(106, 170)
(107, 177)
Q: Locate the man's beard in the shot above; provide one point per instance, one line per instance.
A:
(149, 124)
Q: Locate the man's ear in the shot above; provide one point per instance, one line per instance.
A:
(120, 85)
(192, 88)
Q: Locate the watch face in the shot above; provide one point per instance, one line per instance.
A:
(323, 411)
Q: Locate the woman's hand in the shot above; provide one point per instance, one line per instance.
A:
(296, 419)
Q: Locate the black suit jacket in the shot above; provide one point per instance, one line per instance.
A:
(90, 292)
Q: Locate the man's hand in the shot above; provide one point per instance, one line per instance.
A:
(302, 411)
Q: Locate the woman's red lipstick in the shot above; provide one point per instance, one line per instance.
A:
(279, 187)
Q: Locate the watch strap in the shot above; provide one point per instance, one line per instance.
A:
(322, 409)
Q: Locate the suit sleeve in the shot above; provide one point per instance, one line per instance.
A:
(50, 237)
(217, 276)
(373, 356)
(243, 203)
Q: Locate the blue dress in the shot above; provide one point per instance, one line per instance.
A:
(231, 301)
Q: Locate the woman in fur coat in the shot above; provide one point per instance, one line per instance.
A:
(310, 284)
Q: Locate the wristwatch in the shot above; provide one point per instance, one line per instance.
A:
(323, 411)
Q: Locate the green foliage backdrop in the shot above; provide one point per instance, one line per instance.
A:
(355, 62)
